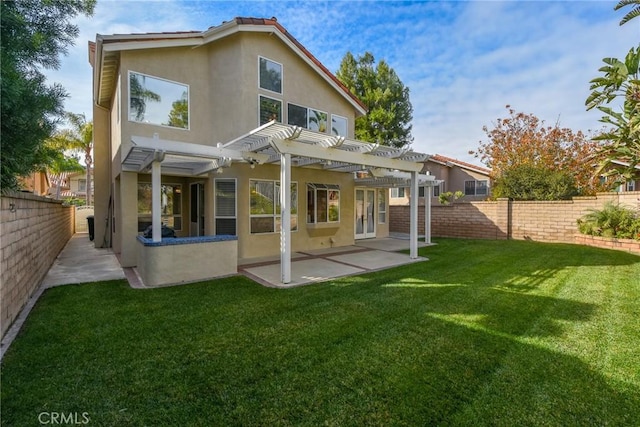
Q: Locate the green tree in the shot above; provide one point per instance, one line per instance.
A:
(633, 13)
(140, 95)
(179, 114)
(77, 139)
(528, 182)
(33, 34)
(388, 120)
(620, 81)
(521, 147)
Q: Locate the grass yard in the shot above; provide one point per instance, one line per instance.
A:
(498, 333)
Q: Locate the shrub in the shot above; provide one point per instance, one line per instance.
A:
(611, 221)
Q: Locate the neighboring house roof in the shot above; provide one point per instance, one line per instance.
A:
(109, 46)
(448, 161)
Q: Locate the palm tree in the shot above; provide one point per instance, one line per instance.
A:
(140, 95)
(79, 140)
(633, 13)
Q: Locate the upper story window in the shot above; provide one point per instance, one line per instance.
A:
(270, 75)
(317, 120)
(158, 101)
(270, 109)
(307, 118)
(397, 192)
(476, 188)
(338, 125)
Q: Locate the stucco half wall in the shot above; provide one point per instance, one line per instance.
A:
(184, 260)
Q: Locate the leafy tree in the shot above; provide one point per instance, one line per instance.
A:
(33, 34)
(528, 182)
(621, 80)
(633, 13)
(523, 140)
(388, 120)
(77, 139)
(179, 114)
(140, 95)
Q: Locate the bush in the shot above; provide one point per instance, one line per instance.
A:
(527, 182)
(611, 221)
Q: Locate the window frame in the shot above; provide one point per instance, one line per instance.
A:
(260, 58)
(346, 125)
(475, 187)
(130, 72)
(397, 191)
(382, 209)
(314, 187)
(260, 96)
(277, 213)
(326, 118)
(306, 118)
(235, 205)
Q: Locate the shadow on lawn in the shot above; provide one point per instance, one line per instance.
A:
(424, 344)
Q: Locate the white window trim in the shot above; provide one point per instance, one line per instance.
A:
(382, 191)
(319, 111)
(475, 187)
(275, 215)
(273, 99)
(346, 120)
(281, 76)
(328, 187)
(166, 80)
(297, 105)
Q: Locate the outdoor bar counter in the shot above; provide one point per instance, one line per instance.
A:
(186, 259)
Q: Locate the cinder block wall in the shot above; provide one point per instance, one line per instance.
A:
(553, 221)
(33, 231)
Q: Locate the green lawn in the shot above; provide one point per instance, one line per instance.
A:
(499, 333)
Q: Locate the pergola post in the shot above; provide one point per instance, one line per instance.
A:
(285, 215)
(156, 198)
(413, 208)
(427, 214)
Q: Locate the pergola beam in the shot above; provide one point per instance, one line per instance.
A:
(307, 150)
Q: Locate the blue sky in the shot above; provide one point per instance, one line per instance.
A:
(462, 61)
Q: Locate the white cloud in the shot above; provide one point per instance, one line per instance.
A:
(463, 61)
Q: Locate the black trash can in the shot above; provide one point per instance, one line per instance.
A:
(90, 223)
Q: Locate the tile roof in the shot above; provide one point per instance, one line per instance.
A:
(444, 159)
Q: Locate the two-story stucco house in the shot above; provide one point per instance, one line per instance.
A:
(238, 139)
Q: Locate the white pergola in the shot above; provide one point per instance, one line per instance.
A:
(289, 146)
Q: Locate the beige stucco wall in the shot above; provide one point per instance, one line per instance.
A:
(164, 265)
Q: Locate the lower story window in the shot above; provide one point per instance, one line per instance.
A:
(265, 209)
(475, 188)
(170, 205)
(225, 208)
(382, 206)
(397, 192)
(323, 203)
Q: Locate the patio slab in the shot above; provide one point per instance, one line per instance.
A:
(328, 264)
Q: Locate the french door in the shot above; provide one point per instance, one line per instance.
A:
(365, 213)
